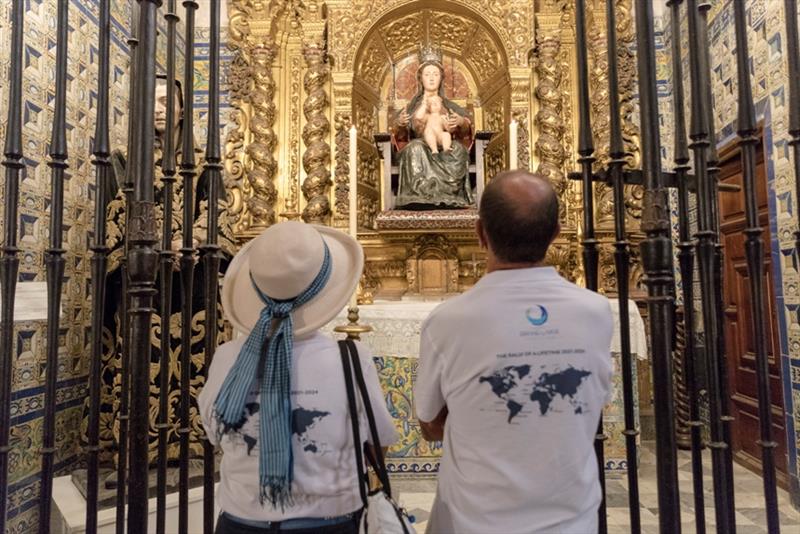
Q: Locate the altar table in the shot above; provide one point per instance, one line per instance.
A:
(395, 344)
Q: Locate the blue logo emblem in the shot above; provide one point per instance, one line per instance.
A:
(536, 315)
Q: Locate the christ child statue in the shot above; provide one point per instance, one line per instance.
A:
(436, 122)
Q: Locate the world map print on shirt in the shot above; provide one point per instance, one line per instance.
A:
(303, 420)
(517, 386)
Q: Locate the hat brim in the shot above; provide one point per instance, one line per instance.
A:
(242, 305)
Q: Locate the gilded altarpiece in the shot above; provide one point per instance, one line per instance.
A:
(305, 72)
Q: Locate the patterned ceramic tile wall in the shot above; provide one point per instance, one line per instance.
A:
(766, 41)
(39, 75)
(202, 38)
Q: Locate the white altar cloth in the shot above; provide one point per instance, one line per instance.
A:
(395, 343)
(396, 326)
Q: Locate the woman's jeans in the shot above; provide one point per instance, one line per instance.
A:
(229, 525)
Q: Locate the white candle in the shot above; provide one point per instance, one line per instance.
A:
(353, 181)
(353, 211)
(512, 145)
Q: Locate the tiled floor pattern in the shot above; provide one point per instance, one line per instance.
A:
(417, 498)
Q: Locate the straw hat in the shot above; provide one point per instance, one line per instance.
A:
(284, 260)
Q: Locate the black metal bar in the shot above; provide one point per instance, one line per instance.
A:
(686, 262)
(9, 262)
(793, 59)
(127, 189)
(102, 162)
(210, 249)
(754, 250)
(586, 150)
(589, 242)
(622, 258)
(143, 265)
(656, 252)
(54, 263)
(719, 256)
(707, 256)
(167, 256)
(187, 263)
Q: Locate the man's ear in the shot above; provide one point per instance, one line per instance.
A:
(481, 234)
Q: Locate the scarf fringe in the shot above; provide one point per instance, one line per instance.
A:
(277, 491)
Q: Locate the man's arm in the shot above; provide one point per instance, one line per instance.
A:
(430, 404)
(434, 430)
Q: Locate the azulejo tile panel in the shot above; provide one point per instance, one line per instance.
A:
(37, 114)
(412, 454)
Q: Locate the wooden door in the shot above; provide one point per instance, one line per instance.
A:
(738, 329)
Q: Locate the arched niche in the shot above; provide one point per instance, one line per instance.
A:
(385, 61)
(476, 64)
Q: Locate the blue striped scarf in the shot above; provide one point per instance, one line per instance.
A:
(274, 371)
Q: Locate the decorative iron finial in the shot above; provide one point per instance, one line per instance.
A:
(430, 54)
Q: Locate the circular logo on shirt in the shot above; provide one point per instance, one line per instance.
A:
(537, 315)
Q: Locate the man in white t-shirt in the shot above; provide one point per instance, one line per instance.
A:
(513, 376)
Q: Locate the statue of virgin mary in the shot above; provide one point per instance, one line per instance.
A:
(428, 180)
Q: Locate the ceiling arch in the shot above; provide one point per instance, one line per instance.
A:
(460, 32)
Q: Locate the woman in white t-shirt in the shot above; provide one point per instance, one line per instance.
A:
(275, 399)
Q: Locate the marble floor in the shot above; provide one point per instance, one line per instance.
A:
(417, 497)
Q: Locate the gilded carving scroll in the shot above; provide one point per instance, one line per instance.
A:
(549, 119)
(510, 21)
(627, 84)
(523, 139)
(598, 79)
(342, 123)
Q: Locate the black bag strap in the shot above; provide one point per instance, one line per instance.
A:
(351, 402)
(379, 463)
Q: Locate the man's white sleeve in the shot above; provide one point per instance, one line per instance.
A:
(383, 419)
(428, 397)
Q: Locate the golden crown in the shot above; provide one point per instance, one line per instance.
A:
(430, 54)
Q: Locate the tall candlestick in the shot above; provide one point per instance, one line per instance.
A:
(512, 145)
(353, 181)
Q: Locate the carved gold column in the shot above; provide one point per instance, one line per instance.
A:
(552, 64)
(261, 174)
(549, 118)
(315, 133)
(250, 162)
(291, 127)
